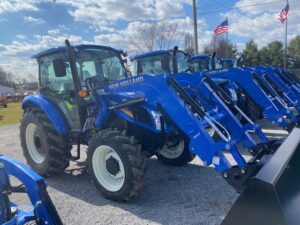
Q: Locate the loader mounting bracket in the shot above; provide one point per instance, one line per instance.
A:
(239, 177)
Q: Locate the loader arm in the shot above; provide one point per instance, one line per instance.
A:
(44, 211)
(177, 106)
(272, 107)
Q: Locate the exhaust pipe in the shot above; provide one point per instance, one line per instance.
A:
(272, 197)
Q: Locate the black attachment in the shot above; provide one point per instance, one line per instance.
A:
(128, 103)
(239, 177)
(273, 195)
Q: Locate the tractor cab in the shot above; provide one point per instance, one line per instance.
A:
(62, 84)
(226, 63)
(202, 62)
(159, 62)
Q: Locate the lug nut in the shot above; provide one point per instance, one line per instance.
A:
(243, 171)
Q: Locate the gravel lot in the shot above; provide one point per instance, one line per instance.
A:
(188, 195)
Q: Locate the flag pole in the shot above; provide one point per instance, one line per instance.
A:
(285, 48)
(227, 47)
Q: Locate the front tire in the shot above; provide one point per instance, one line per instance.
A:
(116, 165)
(45, 151)
(177, 154)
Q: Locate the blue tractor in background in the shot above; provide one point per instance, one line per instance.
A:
(40, 211)
(162, 61)
(260, 99)
(87, 97)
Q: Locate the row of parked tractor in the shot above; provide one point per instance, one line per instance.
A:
(171, 105)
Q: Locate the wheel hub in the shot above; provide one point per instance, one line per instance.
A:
(112, 166)
(37, 141)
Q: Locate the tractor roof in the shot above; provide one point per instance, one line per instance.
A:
(200, 56)
(152, 53)
(228, 59)
(63, 48)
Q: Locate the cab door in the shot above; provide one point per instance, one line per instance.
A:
(60, 89)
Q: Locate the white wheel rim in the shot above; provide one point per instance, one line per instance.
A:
(35, 152)
(173, 152)
(109, 181)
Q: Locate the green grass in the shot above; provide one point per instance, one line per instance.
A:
(10, 115)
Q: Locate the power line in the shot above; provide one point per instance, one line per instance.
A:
(237, 8)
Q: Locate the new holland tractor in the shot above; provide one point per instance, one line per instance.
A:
(40, 210)
(161, 61)
(260, 99)
(87, 97)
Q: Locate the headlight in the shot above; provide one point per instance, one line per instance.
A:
(156, 117)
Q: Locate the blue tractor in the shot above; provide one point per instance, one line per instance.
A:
(87, 97)
(259, 97)
(40, 211)
(162, 61)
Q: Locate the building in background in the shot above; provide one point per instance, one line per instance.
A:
(6, 90)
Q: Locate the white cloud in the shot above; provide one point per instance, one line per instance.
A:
(33, 20)
(15, 57)
(21, 36)
(54, 31)
(21, 67)
(17, 5)
(259, 20)
(101, 15)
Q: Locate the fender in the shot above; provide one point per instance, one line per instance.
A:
(50, 109)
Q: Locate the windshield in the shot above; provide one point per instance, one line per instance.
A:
(157, 64)
(104, 63)
(200, 64)
(226, 64)
(181, 62)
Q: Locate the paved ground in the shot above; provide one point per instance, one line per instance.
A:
(192, 194)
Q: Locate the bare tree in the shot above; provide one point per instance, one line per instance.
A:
(161, 35)
(144, 38)
(220, 47)
(166, 35)
(189, 44)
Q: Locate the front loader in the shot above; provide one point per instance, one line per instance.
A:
(260, 98)
(290, 95)
(40, 210)
(87, 97)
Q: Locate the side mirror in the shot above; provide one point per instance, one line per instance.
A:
(59, 67)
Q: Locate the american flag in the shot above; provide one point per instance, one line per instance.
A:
(284, 13)
(222, 28)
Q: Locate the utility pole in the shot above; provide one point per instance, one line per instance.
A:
(195, 26)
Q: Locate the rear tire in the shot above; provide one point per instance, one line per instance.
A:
(116, 165)
(45, 151)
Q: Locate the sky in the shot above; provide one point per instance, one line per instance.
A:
(30, 26)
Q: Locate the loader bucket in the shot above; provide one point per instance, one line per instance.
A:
(272, 197)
